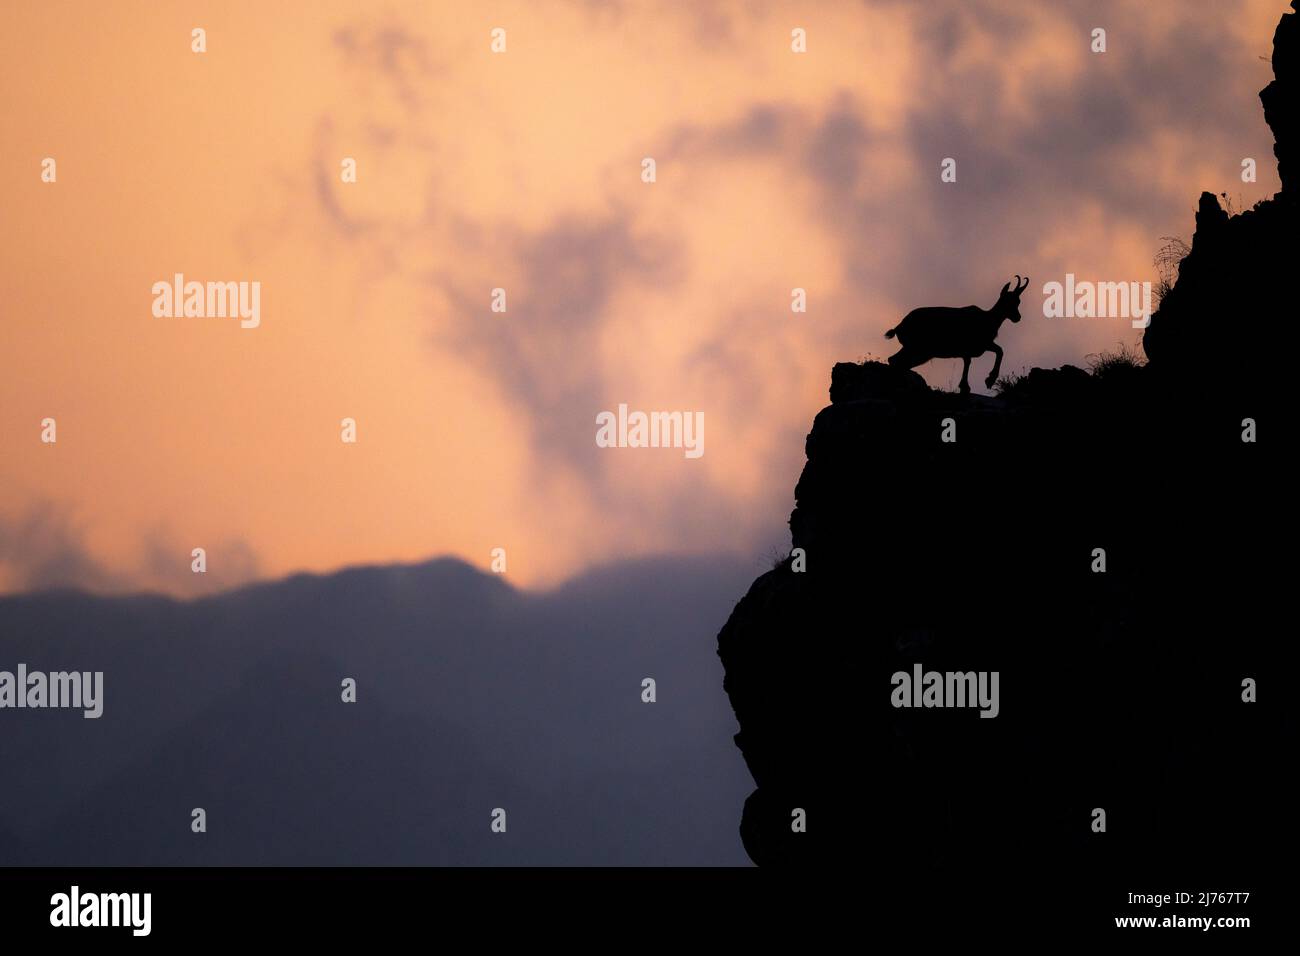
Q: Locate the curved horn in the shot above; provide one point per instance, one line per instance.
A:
(1022, 288)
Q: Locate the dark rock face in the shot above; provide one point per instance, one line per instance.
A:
(1280, 98)
(978, 555)
(1120, 689)
(1227, 321)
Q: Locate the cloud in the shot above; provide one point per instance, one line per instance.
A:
(167, 563)
(1044, 133)
(521, 171)
(544, 352)
(46, 548)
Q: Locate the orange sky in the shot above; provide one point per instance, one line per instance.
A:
(521, 170)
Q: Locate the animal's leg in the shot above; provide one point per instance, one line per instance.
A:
(997, 365)
(908, 358)
(964, 387)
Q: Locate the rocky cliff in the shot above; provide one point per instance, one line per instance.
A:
(1106, 542)
(1227, 323)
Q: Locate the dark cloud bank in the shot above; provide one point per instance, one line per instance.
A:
(471, 696)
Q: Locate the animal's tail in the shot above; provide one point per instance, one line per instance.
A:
(890, 334)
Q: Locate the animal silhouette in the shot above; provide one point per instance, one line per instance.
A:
(946, 332)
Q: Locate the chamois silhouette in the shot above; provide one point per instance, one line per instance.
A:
(946, 332)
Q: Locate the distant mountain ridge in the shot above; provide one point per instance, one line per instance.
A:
(471, 695)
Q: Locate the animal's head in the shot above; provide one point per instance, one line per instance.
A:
(1008, 306)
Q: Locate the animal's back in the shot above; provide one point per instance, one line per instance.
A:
(940, 323)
